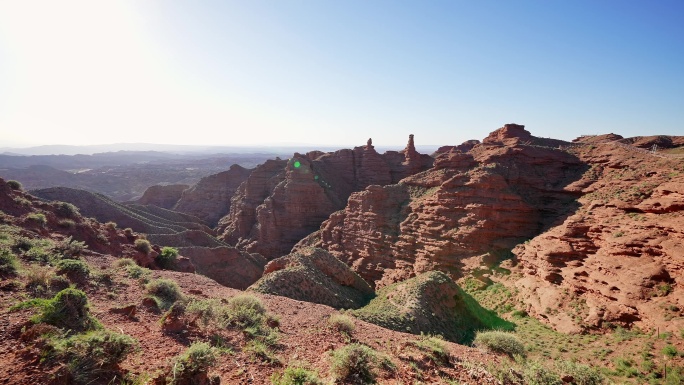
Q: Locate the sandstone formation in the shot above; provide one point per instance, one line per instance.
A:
(283, 201)
(164, 196)
(314, 275)
(210, 198)
(618, 258)
(469, 208)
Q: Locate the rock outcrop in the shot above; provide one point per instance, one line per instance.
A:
(468, 209)
(283, 201)
(164, 196)
(314, 275)
(210, 198)
(618, 258)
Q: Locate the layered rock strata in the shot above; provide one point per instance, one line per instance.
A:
(469, 208)
(283, 201)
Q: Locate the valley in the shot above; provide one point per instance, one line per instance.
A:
(353, 266)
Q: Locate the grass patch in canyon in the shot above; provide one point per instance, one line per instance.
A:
(624, 356)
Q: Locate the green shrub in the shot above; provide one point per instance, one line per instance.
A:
(75, 270)
(207, 311)
(38, 279)
(165, 291)
(353, 362)
(70, 248)
(9, 265)
(66, 210)
(14, 185)
(110, 225)
(196, 359)
(67, 223)
(68, 310)
(92, 356)
(296, 375)
(167, 258)
(537, 374)
(500, 342)
(342, 323)
(143, 245)
(669, 351)
(434, 347)
(138, 272)
(37, 218)
(260, 349)
(581, 374)
(245, 310)
(122, 262)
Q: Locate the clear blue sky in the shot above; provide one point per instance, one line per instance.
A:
(336, 72)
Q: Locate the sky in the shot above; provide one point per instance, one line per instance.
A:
(252, 72)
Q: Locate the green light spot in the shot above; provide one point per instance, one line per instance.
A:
(297, 164)
(315, 177)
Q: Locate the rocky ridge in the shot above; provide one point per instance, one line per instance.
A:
(283, 201)
(470, 208)
(617, 259)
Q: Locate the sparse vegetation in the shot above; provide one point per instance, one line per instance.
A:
(164, 291)
(195, 360)
(354, 363)
(66, 210)
(434, 348)
(14, 185)
(37, 218)
(91, 356)
(500, 342)
(143, 246)
(342, 323)
(9, 265)
(296, 374)
(68, 310)
(77, 271)
(167, 258)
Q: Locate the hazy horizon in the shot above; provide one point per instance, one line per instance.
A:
(78, 72)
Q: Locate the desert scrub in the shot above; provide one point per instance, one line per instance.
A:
(14, 185)
(91, 356)
(167, 258)
(195, 360)
(9, 265)
(207, 311)
(354, 363)
(124, 262)
(296, 374)
(68, 310)
(581, 374)
(37, 218)
(434, 348)
(66, 210)
(246, 310)
(132, 269)
(535, 373)
(69, 248)
(143, 246)
(76, 271)
(499, 342)
(342, 323)
(164, 291)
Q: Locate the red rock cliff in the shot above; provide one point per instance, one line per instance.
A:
(283, 201)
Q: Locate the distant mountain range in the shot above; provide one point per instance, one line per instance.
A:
(289, 148)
